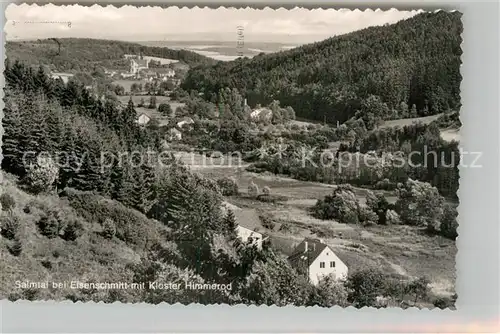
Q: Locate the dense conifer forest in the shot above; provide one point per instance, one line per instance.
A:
(415, 62)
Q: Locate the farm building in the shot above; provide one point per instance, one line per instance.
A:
(143, 119)
(174, 134)
(316, 259)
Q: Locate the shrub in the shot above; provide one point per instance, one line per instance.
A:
(444, 302)
(228, 186)
(365, 285)
(329, 292)
(10, 226)
(165, 109)
(420, 204)
(108, 228)
(385, 184)
(7, 201)
(27, 209)
(41, 175)
(46, 263)
(367, 216)
(267, 223)
(285, 228)
(73, 230)
(392, 217)
(50, 224)
(266, 190)
(341, 205)
(16, 248)
(449, 224)
(253, 189)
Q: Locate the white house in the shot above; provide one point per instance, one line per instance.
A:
(317, 260)
(186, 120)
(247, 223)
(261, 113)
(143, 119)
(246, 234)
(174, 134)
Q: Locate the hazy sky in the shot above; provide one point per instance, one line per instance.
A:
(173, 23)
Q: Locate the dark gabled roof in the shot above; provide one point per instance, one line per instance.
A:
(247, 218)
(314, 248)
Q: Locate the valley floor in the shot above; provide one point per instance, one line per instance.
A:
(402, 250)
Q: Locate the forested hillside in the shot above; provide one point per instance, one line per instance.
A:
(84, 54)
(408, 69)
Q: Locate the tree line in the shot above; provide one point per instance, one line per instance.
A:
(85, 54)
(408, 69)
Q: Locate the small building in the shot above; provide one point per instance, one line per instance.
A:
(186, 120)
(174, 134)
(248, 235)
(63, 76)
(248, 223)
(169, 73)
(137, 64)
(261, 114)
(316, 259)
(143, 119)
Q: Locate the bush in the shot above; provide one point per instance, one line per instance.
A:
(342, 205)
(266, 190)
(73, 230)
(108, 228)
(285, 228)
(267, 223)
(16, 248)
(392, 217)
(10, 226)
(329, 292)
(50, 224)
(41, 175)
(228, 186)
(165, 109)
(7, 202)
(253, 189)
(420, 204)
(367, 216)
(449, 224)
(444, 303)
(365, 286)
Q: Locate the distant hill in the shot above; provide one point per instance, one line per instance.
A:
(415, 61)
(83, 54)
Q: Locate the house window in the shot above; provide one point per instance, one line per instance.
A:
(321, 264)
(332, 264)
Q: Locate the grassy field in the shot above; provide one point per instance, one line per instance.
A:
(409, 121)
(403, 250)
(127, 84)
(164, 120)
